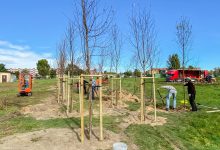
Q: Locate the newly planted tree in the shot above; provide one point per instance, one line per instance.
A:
(184, 38)
(143, 39)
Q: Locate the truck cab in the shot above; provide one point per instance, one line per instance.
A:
(172, 75)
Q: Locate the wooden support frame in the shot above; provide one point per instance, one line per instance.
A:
(66, 82)
(112, 89)
(82, 106)
(143, 101)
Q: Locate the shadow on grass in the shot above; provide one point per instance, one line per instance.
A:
(69, 121)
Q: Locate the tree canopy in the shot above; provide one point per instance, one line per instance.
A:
(43, 67)
(2, 68)
(74, 70)
(173, 62)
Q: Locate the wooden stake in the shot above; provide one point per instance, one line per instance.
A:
(82, 109)
(100, 110)
(90, 108)
(68, 93)
(80, 90)
(112, 93)
(66, 88)
(63, 84)
(58, 89)
(120, 93)
(142, 100)
(155, 101)
(116, 93)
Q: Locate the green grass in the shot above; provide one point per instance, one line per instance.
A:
(41, 90)
(22, 124)
(186, 130)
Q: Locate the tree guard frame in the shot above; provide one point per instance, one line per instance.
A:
(82, 106)
(112, 89)
(66, 82)
(143, 107)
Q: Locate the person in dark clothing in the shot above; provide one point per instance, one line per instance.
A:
(84, 86)
(192, 94)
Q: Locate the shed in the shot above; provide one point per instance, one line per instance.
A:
(5, 77)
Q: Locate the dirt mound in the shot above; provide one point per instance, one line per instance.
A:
(134, 118)
(125, 96)
(59, 139)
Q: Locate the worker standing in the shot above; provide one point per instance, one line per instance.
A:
(171, 92)
(192, 94)
(93, 88)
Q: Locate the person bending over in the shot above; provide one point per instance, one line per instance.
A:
(171, 92)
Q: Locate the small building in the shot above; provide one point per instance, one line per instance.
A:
(5, 77)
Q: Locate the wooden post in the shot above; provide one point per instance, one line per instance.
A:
(100, 110)
(120, 93)
(112, 93)
(63, 84)
(71, 93)
(90, 107)
(66, 88)
(80, 90)
(68, 92)
(58, 89)
(142, 100)
(82, 108)
(155, 101)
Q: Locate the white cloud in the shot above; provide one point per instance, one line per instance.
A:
(21, 56)
(7, 44)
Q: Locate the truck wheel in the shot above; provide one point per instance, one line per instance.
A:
(30, 94)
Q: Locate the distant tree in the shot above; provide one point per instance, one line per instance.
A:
(17, 74)
(43, 67)
(137, 73)
(191, 67)
(173, 62)
(128, 73)
(25, 71)
(74, 70)
(53, 73)
(2, 68)
(216, 72)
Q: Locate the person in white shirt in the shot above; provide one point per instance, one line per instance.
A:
(171, 92)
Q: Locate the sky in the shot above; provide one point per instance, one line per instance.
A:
(31, 29)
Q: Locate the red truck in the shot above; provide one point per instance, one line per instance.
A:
(194, 74)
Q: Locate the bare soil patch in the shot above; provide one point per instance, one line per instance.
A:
(48, 109)
(60, 139)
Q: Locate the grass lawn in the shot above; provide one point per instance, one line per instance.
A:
(185, 130)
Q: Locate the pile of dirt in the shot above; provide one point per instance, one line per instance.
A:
(125, 96)
(134, 118)
(60, 139)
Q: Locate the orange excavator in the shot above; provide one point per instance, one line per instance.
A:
(25, 84)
